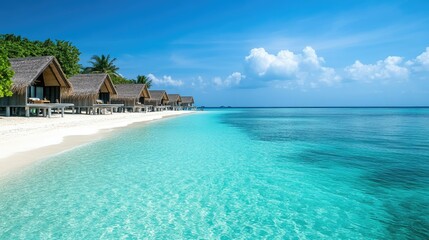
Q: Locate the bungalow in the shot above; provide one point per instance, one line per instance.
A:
(92, 92)
(132, 96)
(158, 99)
(174, 100)
(38, 82)
(187, 102)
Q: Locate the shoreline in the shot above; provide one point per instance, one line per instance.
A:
(26, 141)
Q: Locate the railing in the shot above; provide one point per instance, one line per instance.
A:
(45, 107)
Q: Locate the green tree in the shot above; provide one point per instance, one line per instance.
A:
(13, 45)
(105, 64)
(68, 57)
(6, 74)
(145, 80)
(66, 54)
(102, 64)
(118, 79)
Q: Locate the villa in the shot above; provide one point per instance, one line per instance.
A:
(132, 96)
(93, 93)
(174, 100)
(38, 84)
(187, 103)
(158, 99)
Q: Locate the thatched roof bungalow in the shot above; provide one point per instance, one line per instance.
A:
(174, 99)
(187, 101)
(157, 98)
(36, 77)
(89, 89)
(131, 95)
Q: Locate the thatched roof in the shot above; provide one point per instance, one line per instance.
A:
(28, 69)
(91, 84)
(158, 95)
(132, 91)
(187, 99)
(174, 97)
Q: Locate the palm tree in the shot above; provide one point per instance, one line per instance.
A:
(102, 64)
(145, 80)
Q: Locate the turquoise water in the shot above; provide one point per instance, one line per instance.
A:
(234, 174)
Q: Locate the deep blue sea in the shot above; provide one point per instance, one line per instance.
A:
(261, 173)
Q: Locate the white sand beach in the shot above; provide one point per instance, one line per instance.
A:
(26, 140)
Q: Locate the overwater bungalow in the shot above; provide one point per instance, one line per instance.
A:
(187, 103)
(39, 83)
(132, 96)
(174, 100)
(158, 100)
(93, 93)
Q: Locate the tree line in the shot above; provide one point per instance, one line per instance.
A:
(68, 55)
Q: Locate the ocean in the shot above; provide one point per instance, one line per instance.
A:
(239, 173)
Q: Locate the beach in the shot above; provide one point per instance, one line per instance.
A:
(27, 140)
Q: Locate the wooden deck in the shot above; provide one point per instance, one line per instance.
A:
(160, 108)
(97, 108)
(136, 108)
(45, 107)
(175, 108)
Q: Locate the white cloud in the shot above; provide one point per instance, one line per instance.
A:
(305, 68)
(391, 68)
(310, 57)
(199, 82)
(165, 80)
(423, 59)
(328, 76)
(232, 80)
(263, 63)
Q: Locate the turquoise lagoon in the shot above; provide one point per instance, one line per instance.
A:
(267, 173)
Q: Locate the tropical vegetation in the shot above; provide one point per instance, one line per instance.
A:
(66, 54)
(102, 64)
(6, 74)
(143, 79)
(105, 64)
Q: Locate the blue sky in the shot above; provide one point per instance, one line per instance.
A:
(250, 53)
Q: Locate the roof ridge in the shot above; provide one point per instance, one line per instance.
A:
(31, 57)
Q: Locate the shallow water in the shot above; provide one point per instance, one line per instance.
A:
(237, 173)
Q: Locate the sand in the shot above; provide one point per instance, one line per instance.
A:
(24, 141)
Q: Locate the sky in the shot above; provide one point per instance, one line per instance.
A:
(249, 53)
